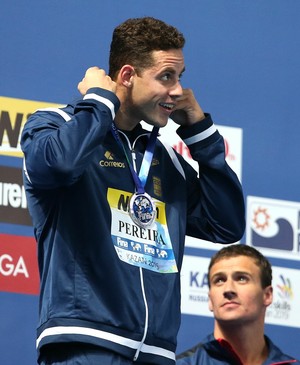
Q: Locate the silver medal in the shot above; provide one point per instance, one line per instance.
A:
(142, 210)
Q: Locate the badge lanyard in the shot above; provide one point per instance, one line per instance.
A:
(142, 207)
(141, 179)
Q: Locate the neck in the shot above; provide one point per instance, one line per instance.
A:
(249, 344)
(125, 119)
(124, 123)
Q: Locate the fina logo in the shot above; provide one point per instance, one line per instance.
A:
(273, 224)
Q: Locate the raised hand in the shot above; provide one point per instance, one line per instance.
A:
(96, 77)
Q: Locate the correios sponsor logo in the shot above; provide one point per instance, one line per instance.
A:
(110, 162)
(18, 265)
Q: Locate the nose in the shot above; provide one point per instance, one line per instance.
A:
(176, 90)
(229, 290)
(229, 295)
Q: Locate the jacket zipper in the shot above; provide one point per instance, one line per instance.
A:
(131, 148)
(146, 317)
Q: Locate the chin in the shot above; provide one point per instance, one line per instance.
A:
(163, 124)
(159, 123)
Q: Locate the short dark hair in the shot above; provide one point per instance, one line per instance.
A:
(134, 40)
(243, 250)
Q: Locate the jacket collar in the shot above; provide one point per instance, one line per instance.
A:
(222, 349)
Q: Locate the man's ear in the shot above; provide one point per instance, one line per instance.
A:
(210, 306)
(268, 295)
(126, 75)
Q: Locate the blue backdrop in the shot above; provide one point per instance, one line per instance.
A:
(242, 61)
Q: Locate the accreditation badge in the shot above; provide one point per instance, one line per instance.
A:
(142, 210)
(149, 248)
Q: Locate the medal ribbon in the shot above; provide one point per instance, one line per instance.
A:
(141, 179)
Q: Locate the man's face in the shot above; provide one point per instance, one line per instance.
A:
(236, 295)
(155, 89)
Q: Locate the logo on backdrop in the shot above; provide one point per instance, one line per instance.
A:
(13, 115)
(194, 286)
(286, 298)
(18, 265)
(13, 203)
(274, 225)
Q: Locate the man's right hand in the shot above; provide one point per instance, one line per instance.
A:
(96, 77)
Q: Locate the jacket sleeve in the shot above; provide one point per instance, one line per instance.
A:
(216, 209)
(59, 144)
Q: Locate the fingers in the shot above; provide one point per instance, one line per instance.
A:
(96, 77)
(187, 95)
(188, 103)
(186, 100)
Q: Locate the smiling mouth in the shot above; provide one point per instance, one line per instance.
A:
(167, 106)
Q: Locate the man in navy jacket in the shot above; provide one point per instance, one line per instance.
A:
(240, 290)
(111, 204)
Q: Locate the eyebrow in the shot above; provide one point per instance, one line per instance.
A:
(222, 273)
(171, 70)
(243, 273)
(181, 73)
